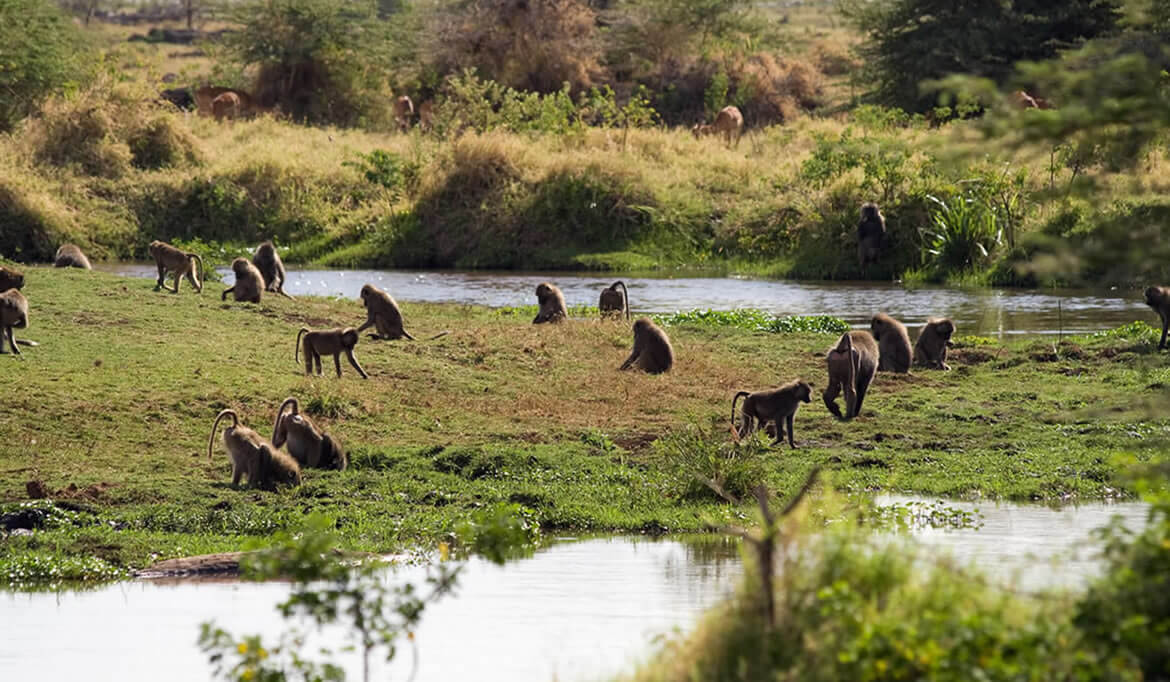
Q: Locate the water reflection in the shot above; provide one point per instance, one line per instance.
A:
(989, 312)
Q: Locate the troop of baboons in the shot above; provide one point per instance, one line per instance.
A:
(851, 363)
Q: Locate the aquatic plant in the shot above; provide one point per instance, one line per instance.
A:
(757, 320)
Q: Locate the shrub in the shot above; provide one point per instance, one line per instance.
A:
(41, 53)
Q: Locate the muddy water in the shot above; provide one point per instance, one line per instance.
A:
(581, 610)
(987, 312)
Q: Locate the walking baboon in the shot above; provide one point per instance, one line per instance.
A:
(249, 282)
(852, 364)
(777, 406)
(10, 279)
(613, 301)
(403, 112)
(728, 122)
(13, 314)
(652, 350)
(893, 342)
(271, 268)
(1158, 298)
(226, 105)
(265, 466)
(383, 314)
(930, 350)
(180, 262)
(552, 304)
(307, 444)
(329, 342)
(870, 232)
(70, 256)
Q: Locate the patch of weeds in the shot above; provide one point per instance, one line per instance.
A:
(600, 442)
(904, 517)
(522, 311)
(705, 465)
(757, 321)
(49, 571)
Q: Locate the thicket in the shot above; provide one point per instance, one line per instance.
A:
(41, 54)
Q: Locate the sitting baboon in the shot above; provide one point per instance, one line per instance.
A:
(226, 105)
(307, 444)
(614, 302)
(180, 262)
(249, 282)
(403, 112)
(13, 314)
(205, 101)
(652, 350)
(329, 342)
(265, 466)
(383, 314)
(894, 343)
(1158, 298)
(271, 268)
(729, 123)
(552, 304)
(10, 279)
(852, 364)
(777, 407)
(870, 232)
(70, 256)
(930, 350)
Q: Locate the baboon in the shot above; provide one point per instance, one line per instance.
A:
(10, 279)
(180, 97)
(894, 343)
(852, 364)
(249, 282)
(382, 314)
(652, 351)
(930, 350)
(403, 112)
(426, 115)
(307, 444)
(1158, 298)
(226, 105)
(70, 256)
(777, 406)
(265, 466)
(13, 313)
(329, 342)
(180, 262)
(552, 304)
(271, 268)
(613, 301)
(870, 232)
(729, 123)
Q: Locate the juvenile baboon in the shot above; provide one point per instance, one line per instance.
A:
(613, 301)
(265, 466)
(893, 342)
(383, 314)
(930, 350)
(329, 342)
(403, 112)
(552, 304)
(852, 364)
(249, 282)
(1158, 298)
(307, 444)
(70, 256)
(13, 314)
(10, 279)
(271, 268)
(728, 122)
(870, 232)
(226, 105)
(180, 262)
(205, 100)
(652, 350)
(777, 406)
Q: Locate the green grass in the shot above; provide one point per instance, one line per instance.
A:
(112, 414)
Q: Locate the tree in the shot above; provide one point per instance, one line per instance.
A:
(912, 41)
(39, 55)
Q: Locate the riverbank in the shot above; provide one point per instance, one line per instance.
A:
(110, 416)
(784, 203)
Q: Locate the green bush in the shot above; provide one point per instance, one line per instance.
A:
(41, 54)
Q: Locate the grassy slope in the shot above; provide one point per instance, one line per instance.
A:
(126, 382)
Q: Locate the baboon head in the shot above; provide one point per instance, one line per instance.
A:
(240, 266)
(349, 337)
(367, 291)
(10, 279)
(542, 291)
(870, 211)
(945, 328)
(1154, 296)
(804, 391)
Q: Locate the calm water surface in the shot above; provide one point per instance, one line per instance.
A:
(988, 312)
(581, 610)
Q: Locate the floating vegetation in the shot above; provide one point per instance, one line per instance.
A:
(757, 320)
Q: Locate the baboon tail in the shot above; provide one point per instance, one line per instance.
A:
(625, 297)
(297, 350)
(280, 413)
(199, 261)
(215, 425)
(407, 334)
(26, 342)
(439, 335)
